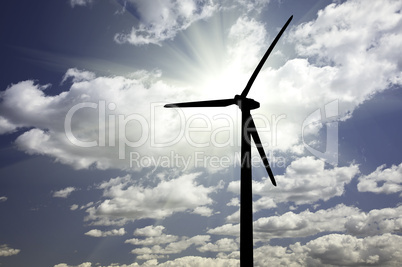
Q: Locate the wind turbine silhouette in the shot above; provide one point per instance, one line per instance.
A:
(248, 129)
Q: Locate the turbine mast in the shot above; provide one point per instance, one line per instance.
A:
(246, 198)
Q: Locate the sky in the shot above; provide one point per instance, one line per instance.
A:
(95, 172)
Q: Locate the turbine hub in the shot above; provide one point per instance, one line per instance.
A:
(246, 103)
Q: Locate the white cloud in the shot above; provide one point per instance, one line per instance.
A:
(3, 199)
(226, 229)
(382, 180)
(203, 211)
(99, 233)
(202, 262)
(294, 256)
(74, 3)
(347, 250)
(157, 244)
(64, 193)
(340, 219)
(328, 250)
(375, 222)
(304, 224)
(254, 5)
(84, 264)
(28, 106)
(154, 236)
(234, 202)
(305, 181)
(89, 264)
(235, 217)
(173, 247)
(86, 205)
(128, 200)
(248, 40)
(334, 250)
(6, 126)
(263, 203)
(5, 251)
(74, 207)
(360, 42)
(162, 21)
(153, 240)
(78, 75)
(185, 261)
(149, 230)
(222, 245)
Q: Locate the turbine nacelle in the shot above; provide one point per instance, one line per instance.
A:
(246, 103)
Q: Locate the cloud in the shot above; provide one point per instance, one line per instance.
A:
(203, 211)
(226, 229)
(149, 230)
(382, 180)
(154, 236)
(74, 3)
(69, 127)
(75, 206)
(253, 5)
(345, 250)
(6, 126)
(334, 250)
(328, 250)
(200, 261)
(339, 219)
(84, 264)
(151, 241)
(157, 244)
(173, 247)
(127, 200)
(162, 21)
(99, 233)
(375, 222)
(304, 224)
(221, 245)
(359, 42)
(3, 199)
(248, 39)
(5, 251)
(64, 193)
(180, 262)
(305, 181)
(78, 75)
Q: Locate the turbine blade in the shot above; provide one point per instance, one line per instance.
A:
(264, 58)
(208, 103)
(257, 141)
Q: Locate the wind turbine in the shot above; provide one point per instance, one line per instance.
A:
(248, 129)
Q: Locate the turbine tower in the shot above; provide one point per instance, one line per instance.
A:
(248, 130)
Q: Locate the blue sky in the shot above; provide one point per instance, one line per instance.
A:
(95, 172)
